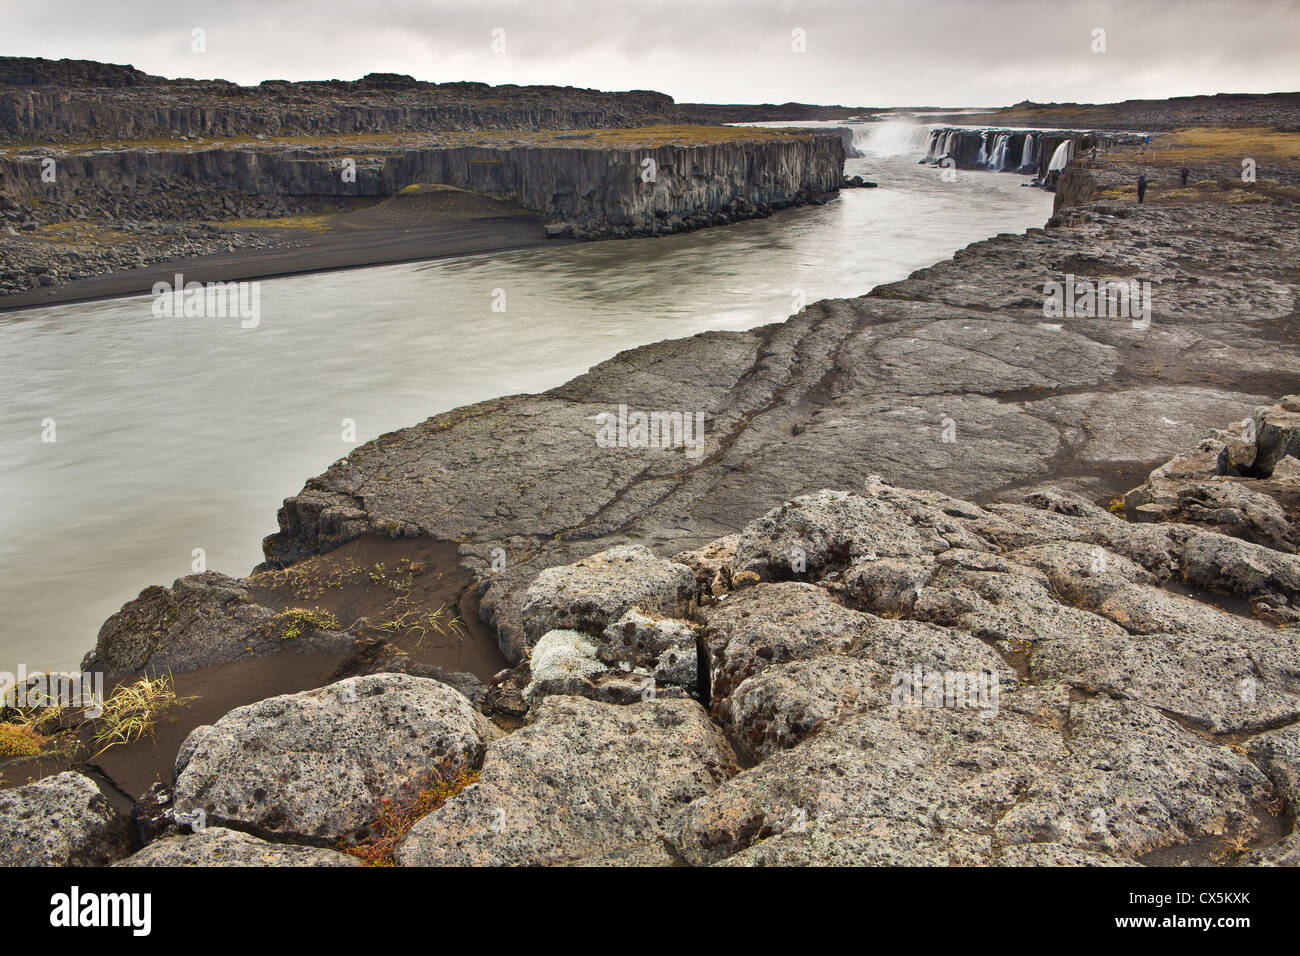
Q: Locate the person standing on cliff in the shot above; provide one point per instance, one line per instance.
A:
(1185, 173)
(1142, 187)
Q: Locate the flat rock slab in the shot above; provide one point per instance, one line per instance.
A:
(316, 766)
(582, 780)
(948, 380)
(61, 820)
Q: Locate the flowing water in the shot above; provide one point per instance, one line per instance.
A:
(176, 434)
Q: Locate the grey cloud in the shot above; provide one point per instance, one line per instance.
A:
(944, 52)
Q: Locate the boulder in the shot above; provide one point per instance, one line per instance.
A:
(61, 820)
(813, 535)
(315, 766)
(881, 786)
(201, 620)
(773, 623)
(778, 707)
(592, 593)
(1277, 433)
(666, 648)
(941, 786)
(566, 663)
(583, 780)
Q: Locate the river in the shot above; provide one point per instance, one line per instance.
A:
(176, 434)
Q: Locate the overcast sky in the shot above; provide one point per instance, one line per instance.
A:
(856, 52)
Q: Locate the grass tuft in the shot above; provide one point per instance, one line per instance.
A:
(297, 621)
(19, 740)
(132, 711)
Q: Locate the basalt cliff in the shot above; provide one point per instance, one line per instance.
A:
(105, 169)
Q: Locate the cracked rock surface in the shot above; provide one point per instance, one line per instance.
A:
(950, 380)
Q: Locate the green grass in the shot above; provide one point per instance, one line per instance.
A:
(132, 711)
(297, 621)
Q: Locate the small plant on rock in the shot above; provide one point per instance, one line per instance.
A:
(394, 818)
(297, 621)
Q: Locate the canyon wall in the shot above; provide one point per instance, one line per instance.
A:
(77, 100)
(596, 191)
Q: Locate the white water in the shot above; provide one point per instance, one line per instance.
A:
(1060, 158)
(176, 434)
(1027, 154)
(890, 138)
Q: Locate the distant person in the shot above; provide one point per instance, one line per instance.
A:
(1142, 187)
(1094, 155)
(1185, 173)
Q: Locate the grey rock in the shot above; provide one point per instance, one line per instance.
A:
(1285, 852)
(201, 620)
(1278, 754)
(877, 787)
(262, 767)
(1132, 782)
(936, 786)
(218, 846)
(1277, 433)
(582, 780)
(831, 530)
(61, 820)
(665, 647)
(1054, 854)
(773, 623)
(596, 591)
(778, 707)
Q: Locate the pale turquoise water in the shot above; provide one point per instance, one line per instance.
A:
(176, 434)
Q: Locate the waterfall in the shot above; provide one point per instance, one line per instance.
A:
(936, 137)
(983, 158)
(894, 138)
(1060, 157)
(1000, 151)
(1027, 154)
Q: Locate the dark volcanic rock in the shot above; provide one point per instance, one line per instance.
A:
(201, 620)
(80, 99)
(950, 380)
